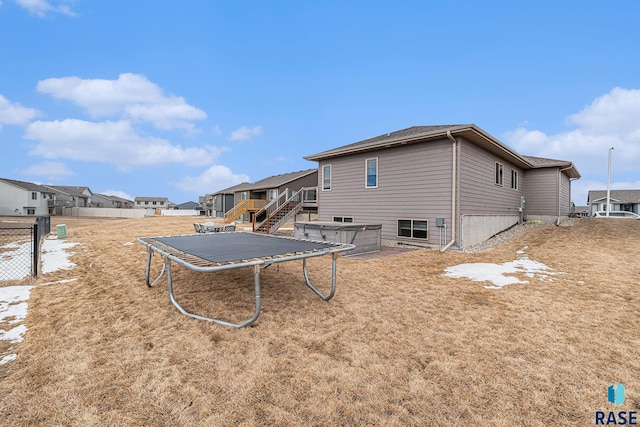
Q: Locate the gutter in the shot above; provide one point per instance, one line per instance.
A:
(454, 177)
(559, 182)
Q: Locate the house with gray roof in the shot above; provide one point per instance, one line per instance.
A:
(440, 186)
(69, 196)
(620, 200)
(259, 193)
(18, 198)
(109, 201)
(151, 203)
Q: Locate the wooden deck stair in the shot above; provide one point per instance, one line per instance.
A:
(242, 207)
(270, 218)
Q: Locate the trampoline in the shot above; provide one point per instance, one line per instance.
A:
(214, 252)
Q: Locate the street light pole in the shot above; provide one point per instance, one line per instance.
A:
(609, 183)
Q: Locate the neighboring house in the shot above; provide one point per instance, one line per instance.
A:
(219, 203)
(107, 201)
(620, 200)
(270, 188)
(581, 211)
(189, 206)
(452, 185)
(19, 198)
(67, 196)
(151, 202)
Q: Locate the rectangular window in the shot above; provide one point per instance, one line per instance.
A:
(499, 169)
(514, 179)
(371, 171)
(34, 196)
(272, 194)
(31, 211)
(413, 228)
(244, 195)
(342, 219)
(326, 177)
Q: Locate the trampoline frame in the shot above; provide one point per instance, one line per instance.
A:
(195, 263)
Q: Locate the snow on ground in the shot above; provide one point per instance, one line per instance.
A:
(502, 274)
(16, 260)
(13, 299)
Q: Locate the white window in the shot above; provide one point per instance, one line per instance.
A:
(371, 173)
(244, 195)
(34, 196)
(514, 179)
(342, 219)
(413, 228)
(499, 169)
(326, 177)
(272, 194)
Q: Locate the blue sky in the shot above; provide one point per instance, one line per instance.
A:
(182, 98)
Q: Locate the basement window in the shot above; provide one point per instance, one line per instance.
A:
(342, 219)
(412, 228)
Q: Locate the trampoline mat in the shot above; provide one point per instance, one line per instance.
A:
(227, 247)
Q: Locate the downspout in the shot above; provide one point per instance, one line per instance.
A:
(454, 178)
(559, 184)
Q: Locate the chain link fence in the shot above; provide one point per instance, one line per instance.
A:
(20, 245)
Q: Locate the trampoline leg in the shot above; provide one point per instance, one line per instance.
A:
(334, 257)
(256, 284)
(149, 270)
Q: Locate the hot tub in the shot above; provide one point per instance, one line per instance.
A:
(366, 237)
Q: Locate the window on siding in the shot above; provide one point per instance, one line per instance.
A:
(272, 194)
(371, 171)
(499, 169)
(514, 179)
(34, 196)
(342, 219)
(326, 177)
(244, 195)
(413, 228)
(31, 211)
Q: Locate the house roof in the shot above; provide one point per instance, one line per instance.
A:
(70, 190)
(270, 182)
(231, 189)
(620, 196)
(114, 198)
(29, 186)
(471, 132)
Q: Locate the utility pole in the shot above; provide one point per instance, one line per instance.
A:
(609, 183)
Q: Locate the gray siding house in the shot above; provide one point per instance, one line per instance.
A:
(452, 185)
(620, 200)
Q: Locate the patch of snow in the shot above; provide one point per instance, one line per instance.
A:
(54, 255)
(16, 264)
(13, 335)
(59, 281)
(501, 274)
(128, 244)
(8, 358)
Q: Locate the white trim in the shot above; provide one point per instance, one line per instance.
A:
(426, 238)
(495, 174)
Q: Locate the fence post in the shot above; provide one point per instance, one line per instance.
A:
(36, 249)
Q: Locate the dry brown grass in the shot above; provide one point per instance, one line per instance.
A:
(398, 345)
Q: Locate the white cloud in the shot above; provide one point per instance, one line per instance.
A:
(111, 142)
(41, 7)
(245, 133)
(215, 178)
(612, 120)
(15, 114)
(131, 96)
(118, 193)
(52, 171)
